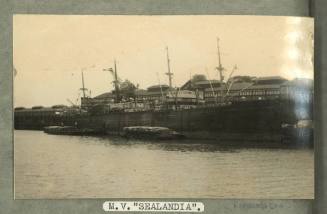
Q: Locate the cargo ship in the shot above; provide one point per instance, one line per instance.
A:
(243, 108)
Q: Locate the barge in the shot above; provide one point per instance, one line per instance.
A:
(70, 130)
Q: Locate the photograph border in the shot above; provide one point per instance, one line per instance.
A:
(156, 7)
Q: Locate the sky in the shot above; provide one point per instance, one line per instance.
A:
(51, 51)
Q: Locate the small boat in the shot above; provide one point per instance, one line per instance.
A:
(149, 132)
(70, 130)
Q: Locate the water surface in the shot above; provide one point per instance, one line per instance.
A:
(53, 166)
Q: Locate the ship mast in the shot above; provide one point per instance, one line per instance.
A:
(220, 68)
(116, 81)
(162, 95)
(83, 89)
(169, 73)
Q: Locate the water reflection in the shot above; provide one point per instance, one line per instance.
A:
(186, 145)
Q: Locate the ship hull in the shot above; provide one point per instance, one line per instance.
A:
(245, 121)
(248, 121)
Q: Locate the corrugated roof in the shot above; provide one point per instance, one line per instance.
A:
(270, 78)
(105, 95)
(149, 93)
(141, 92)
(158, 86)
(240, 85)
(246, 85)
(206, 82)
(235, 86)
(266, 86)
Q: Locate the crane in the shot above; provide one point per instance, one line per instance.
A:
(71, 102)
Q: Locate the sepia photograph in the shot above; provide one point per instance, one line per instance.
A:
(163, 106)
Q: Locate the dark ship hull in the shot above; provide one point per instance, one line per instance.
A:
(241, 121)
(207, 122)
